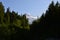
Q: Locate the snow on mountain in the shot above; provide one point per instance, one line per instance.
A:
(31, 18)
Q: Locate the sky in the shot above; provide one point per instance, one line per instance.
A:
(31, 7)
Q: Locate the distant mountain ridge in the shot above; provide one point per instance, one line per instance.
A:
(31, 18)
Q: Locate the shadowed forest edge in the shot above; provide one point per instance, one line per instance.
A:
(16, 27)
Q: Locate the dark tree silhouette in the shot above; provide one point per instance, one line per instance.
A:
(48, 25)
(16, 27)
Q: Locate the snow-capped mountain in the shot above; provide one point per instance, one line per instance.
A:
(31, 18)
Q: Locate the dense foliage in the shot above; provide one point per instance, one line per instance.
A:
(16, 27)
(12, 25)
(48, 26)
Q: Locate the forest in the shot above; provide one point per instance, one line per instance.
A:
(17, 27)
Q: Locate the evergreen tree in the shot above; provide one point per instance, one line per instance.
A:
(8, 15)
(25, 22)
(1, 12)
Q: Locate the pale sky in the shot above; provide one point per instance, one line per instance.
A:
(32, 7)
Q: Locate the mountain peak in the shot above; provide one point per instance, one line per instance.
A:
(31, 18)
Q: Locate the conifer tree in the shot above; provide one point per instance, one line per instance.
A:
(8, 15)
(1, 12)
